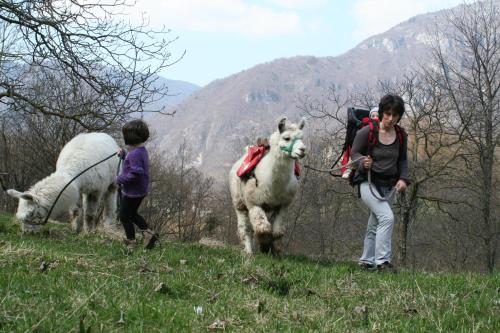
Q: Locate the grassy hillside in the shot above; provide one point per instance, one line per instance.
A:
(60, 282)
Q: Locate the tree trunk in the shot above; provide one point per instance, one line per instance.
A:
(408, 212)
(486, 203)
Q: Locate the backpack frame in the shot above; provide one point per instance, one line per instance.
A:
(358, 118)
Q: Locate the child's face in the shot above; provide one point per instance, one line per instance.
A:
(374, 115)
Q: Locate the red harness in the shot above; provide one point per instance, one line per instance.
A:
(254, 155)
(372, 139)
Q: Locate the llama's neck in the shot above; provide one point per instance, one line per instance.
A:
(280, 165)
(276, 168)
(47, 190)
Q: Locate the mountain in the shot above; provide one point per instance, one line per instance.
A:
(219, 119)
(178, 91)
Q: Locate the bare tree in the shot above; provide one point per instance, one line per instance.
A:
(178, 206)
(113, 63)
(319, 221)
(469, 75)
(433, 148)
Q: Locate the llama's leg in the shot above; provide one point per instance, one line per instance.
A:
(277, 222)
(259, 220)
(278, 231)
(90, 208)
(265, 242)
(75, 216)
(245, 231)
(262, 228)
(109, 201)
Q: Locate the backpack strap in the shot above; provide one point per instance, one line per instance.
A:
(372, 136)
(401, 135)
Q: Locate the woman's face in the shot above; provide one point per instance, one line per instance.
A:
(389, 118)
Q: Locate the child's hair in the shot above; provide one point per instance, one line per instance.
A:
(135, 132)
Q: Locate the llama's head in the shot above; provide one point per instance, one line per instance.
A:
(29, 211)
(288, 139)
(34, 204)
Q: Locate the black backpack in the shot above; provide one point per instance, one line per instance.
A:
(358, 118)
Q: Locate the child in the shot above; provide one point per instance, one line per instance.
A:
(374, 114)
(350, 168)
(134, 183)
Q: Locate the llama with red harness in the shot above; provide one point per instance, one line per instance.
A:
(261, 197)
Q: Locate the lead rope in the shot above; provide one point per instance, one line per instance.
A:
(118, 191)
(333, 168)
(412, 243)
(78, 175)
(370, 185)
(4, 188)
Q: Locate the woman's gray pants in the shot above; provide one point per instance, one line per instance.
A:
(378, 239)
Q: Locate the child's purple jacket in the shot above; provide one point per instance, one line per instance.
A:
(134, 178)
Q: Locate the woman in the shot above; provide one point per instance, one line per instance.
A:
(386, 162)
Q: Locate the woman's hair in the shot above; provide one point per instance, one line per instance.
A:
(391, 102)
(135, 132)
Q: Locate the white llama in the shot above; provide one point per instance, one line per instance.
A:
(261, 200)
(84, 194)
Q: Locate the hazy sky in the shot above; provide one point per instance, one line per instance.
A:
(223, 37)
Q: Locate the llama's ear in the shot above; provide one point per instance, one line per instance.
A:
(19, 195)
(302, 122)
(281, 124)
(27, 196)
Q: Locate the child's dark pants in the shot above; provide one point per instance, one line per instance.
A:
(129, 215)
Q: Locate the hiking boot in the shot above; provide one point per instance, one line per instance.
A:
(386, 267)
(366, 266)
(130, 243)
(150, 237)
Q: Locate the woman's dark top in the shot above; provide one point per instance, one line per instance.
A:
(388, 166)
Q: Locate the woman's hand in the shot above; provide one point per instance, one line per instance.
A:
(367, 162)
(400, 186)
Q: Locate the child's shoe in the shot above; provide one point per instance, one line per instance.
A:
(150, 237)
(130, 243)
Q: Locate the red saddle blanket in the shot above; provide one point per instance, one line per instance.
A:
(254, 155)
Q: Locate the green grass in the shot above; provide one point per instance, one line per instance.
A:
(88, 282)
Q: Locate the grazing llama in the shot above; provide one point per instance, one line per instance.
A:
(261, 200)
(83, 195)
